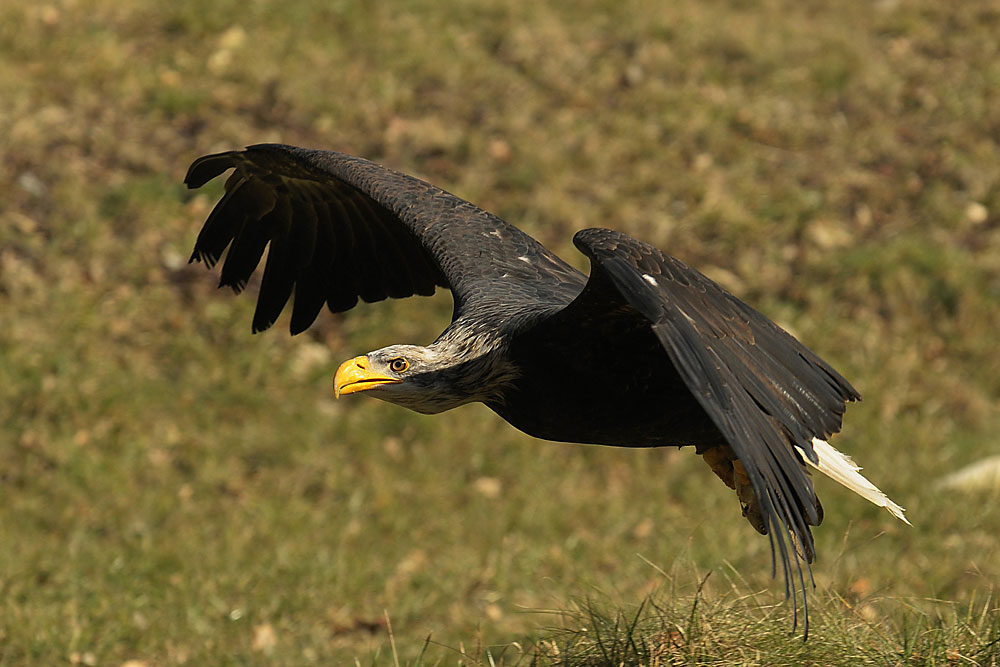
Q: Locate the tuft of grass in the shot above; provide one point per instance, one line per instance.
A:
(732, 629)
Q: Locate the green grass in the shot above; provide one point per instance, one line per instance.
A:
(693, 630)
(176, 491)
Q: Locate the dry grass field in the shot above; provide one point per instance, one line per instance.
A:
(176, 491)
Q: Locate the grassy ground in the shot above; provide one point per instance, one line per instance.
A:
(176, 491)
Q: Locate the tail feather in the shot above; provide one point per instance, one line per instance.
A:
(839, 467)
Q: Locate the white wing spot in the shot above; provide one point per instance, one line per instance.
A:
(524, 259)
(495, 233)
(650, 279)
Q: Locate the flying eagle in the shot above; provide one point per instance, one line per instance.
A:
(645, 352)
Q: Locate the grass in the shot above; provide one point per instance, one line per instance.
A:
(710, 632)
(177, 491)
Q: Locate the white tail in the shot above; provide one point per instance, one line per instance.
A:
(839, 467)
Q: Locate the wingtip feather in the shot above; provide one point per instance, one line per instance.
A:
(208, 167)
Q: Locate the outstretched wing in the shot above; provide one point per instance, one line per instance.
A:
(342, 228)
(765, 392)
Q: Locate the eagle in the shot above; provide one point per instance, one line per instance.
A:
(644, 352)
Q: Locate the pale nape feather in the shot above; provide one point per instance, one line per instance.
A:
(841, 468)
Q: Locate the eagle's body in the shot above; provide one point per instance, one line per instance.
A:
(644, 352)
(577, 400)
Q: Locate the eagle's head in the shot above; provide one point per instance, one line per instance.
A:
(428, 379)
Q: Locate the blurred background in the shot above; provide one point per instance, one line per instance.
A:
(174, 490)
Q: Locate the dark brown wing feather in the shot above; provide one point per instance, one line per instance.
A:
(340, 228)
(765, 391)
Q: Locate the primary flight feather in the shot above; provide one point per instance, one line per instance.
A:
(644, 352)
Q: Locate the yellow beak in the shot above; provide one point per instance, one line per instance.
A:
(356, 375)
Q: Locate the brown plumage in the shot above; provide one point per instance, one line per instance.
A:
(645, 352)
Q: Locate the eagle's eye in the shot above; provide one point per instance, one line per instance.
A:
(398, 365)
